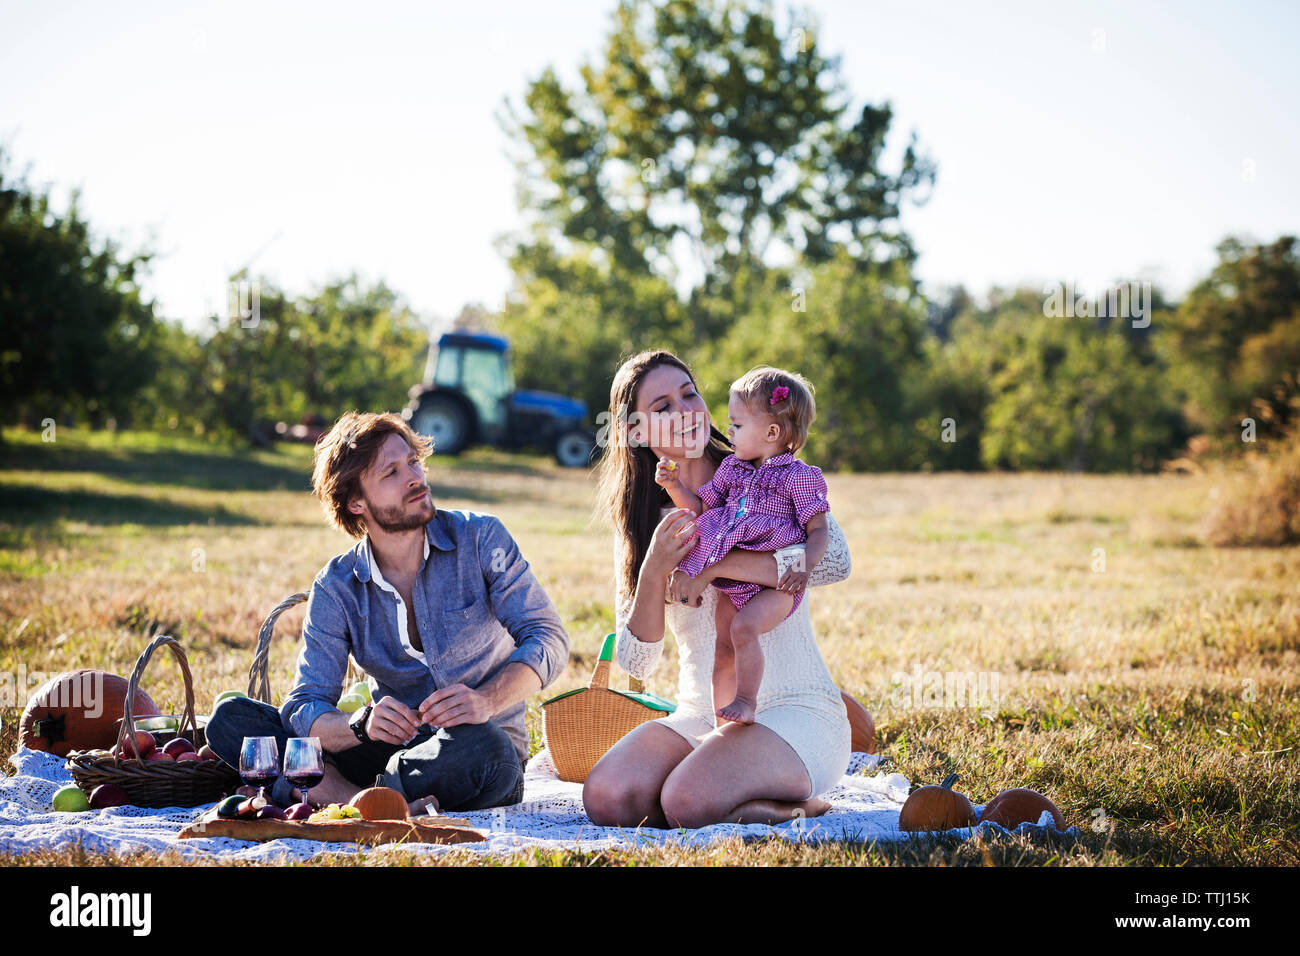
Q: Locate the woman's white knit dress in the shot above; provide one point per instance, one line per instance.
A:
(797, 698)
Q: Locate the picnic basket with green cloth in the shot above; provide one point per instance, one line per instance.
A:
(581, 725)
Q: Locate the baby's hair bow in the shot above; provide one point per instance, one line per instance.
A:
(779, 394)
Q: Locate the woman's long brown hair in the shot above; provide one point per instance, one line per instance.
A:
(627, 495)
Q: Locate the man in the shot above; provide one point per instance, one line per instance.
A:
(439, 608)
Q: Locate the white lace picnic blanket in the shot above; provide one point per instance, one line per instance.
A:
(863, 808)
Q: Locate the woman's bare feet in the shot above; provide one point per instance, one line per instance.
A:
(774, 812)
(739, 711)
(815, 806)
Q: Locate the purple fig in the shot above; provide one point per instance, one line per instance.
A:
(270, 812)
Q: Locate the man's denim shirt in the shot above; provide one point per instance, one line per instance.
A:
(477, 607)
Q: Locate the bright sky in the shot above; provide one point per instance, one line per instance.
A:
(1075, 141)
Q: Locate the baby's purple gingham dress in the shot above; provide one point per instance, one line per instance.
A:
(758, 509)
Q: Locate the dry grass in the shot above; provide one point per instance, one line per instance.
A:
(1259, 503)
(1141, 679)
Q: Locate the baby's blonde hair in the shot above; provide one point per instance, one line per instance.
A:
(794, 413)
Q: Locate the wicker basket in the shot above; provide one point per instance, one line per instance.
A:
(259, 683)
(160, 783)
(581, 725)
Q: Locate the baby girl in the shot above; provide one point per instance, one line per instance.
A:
(761, 498)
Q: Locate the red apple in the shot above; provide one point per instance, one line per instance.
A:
(144, 744)
(178, 746)
(108, 795)
(158, 756)
(207, 753)
(189, 757)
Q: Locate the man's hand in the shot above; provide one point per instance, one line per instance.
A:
(392, 722)
(684, 589)
(427, 805)
(456, 704)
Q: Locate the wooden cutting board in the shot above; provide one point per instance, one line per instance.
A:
(371, 832)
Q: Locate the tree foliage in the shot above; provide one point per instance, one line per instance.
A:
(346, 346)
(79, 339)
(1026, 390)
(709, 125)
(1234, 342)
(858, 338)
(708, 160)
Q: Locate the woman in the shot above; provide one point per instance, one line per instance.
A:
(683, 770)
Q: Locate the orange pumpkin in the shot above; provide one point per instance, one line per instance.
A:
(937, 808)
(861, 724)
(380, 803)
(78, 710)
(1010, 808)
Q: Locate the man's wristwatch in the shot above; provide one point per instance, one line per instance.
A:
(358, 723)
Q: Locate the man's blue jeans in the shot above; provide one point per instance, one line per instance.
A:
(476, 769)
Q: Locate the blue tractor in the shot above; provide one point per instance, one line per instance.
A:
(468, 397)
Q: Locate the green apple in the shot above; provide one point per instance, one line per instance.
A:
(70, 799)
(225, 694)
(158, 724)
(351, 703)
(362, 689)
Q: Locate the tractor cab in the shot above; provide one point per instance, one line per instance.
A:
(469, 397)
(476, 367)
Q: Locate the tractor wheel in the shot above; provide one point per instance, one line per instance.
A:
(443, 421)
(573, 449)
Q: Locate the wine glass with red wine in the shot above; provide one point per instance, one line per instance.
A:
(302, 763)
(259, 764)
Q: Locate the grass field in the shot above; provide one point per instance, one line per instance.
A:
(1063, 632)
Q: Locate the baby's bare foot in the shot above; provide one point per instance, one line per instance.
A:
(738, 712)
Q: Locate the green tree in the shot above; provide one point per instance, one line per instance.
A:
(1234, 343)
(707, 143)
(1078, 394)
(173, 398)
(571, 319)
(78, 336)
(957, 393)
(347, 346)
(857, 336)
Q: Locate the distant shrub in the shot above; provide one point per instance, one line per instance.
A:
(1261, 505)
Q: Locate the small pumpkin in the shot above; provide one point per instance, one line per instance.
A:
(862, 726)
(380, 803)
(78, 710)
(1010, 808)
(937, 808)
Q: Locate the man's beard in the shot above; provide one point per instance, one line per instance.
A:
(397, 519)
